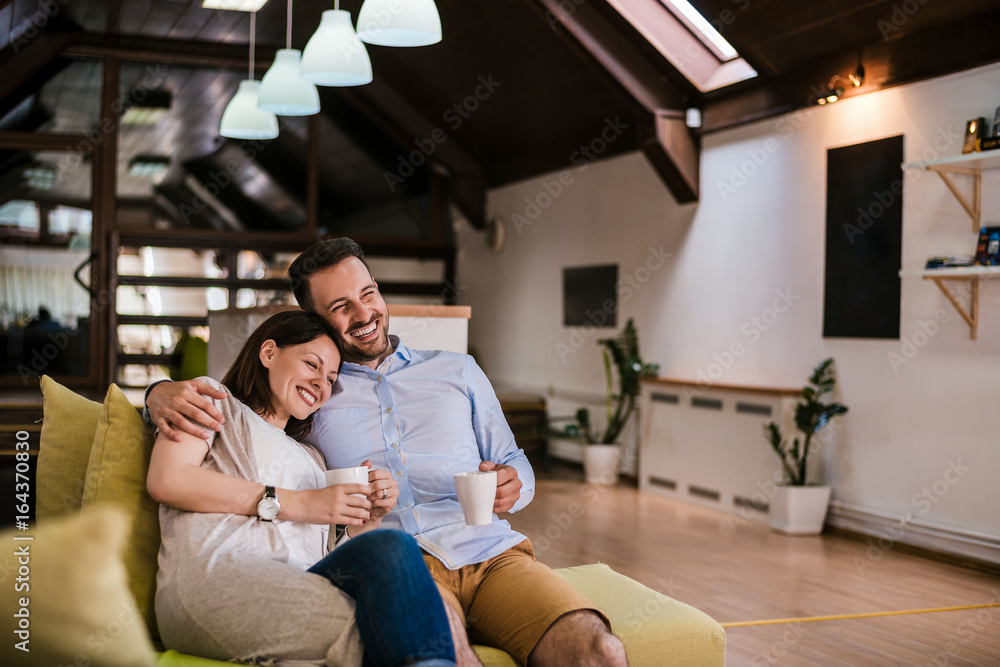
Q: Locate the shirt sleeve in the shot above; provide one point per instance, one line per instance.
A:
(496, 440)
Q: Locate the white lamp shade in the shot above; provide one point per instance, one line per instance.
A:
(243, 120)
(334, 56)
(399, 22)
(282, 90)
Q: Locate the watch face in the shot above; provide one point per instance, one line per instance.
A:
(268, 508)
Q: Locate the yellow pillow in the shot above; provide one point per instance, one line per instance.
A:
(68, 425)
(116, 475)
(75, 608)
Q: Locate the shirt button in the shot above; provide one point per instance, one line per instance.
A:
(388, 410)
(395, 445)
(378, 379)
(399, 473)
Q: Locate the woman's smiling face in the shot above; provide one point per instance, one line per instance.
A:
(301, 377)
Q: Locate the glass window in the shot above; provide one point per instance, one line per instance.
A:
(63, 97)
(45, 229)
(19, 217)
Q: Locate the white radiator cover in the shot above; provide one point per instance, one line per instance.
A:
(704, 444)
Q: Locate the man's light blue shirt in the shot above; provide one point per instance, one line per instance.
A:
(423, 416)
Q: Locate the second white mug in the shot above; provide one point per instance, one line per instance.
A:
(476, 492)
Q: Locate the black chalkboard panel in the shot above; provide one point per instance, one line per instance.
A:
(864, 230)
(589, 296)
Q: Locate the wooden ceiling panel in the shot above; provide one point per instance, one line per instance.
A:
(192, 25)
(539, 78)
(164, 16)
(781, 36)
(230, 27)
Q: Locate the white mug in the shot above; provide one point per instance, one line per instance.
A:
(476, 492)
(356, 475)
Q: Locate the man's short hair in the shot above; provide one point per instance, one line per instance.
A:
(320, 255)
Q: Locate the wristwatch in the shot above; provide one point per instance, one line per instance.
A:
(268, 506)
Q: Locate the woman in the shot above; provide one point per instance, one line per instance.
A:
(246, 513)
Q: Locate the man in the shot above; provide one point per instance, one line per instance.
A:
(425, 416)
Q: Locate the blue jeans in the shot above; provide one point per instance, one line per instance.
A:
(399, 611)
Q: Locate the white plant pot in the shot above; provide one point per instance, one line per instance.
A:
(799, 510)
(600, 463)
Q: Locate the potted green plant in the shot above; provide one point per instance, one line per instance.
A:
(623, 369)
(799, 508)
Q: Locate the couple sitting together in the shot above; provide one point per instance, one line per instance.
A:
(245, 563)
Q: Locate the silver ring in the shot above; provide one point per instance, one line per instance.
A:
(385, 493)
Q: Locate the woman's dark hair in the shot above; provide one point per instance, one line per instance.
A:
(320, 255)
(247, 378)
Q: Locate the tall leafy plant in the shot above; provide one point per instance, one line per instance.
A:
(811, 415)
(623, 369)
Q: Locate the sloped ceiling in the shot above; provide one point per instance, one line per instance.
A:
(517, 87)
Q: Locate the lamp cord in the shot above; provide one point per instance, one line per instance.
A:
(253, 31)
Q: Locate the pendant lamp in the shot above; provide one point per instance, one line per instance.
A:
(395, 23)
(334, 56)
(282, 89)
(242, 119)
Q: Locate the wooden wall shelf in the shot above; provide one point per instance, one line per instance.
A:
(969, 274)
(968, 164)
(972, 165)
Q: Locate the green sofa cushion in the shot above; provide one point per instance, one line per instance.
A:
(80, 611)
(68, 425)
(653, 627)
(116, 475)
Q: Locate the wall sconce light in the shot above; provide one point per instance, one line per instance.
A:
(692, 118)
(834, 91)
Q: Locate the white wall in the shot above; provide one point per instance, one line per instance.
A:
(733, 254)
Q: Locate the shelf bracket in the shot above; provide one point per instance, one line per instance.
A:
(971, 316)
(972, 208)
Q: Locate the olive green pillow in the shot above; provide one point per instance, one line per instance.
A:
(75, 607)
(116, 476)
(68, 425)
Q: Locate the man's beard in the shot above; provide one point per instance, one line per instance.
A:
(357, 352)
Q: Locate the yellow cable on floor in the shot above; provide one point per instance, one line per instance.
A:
(837, 617)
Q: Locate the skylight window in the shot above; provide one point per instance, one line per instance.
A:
(678, 31)
(702, 28)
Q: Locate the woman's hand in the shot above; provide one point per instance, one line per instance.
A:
(331, 505)
(185, 407)
(385, 491)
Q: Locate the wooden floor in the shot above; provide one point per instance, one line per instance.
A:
(739, 571)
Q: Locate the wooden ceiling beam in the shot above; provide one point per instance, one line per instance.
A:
(23, 64)
(171, 52)
(420, 140)
(670, 147)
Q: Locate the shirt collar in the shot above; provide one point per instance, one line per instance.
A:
(398, 350)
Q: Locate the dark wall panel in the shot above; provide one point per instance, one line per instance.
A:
(864, 229)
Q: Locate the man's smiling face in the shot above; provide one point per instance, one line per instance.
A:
(347, 297)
